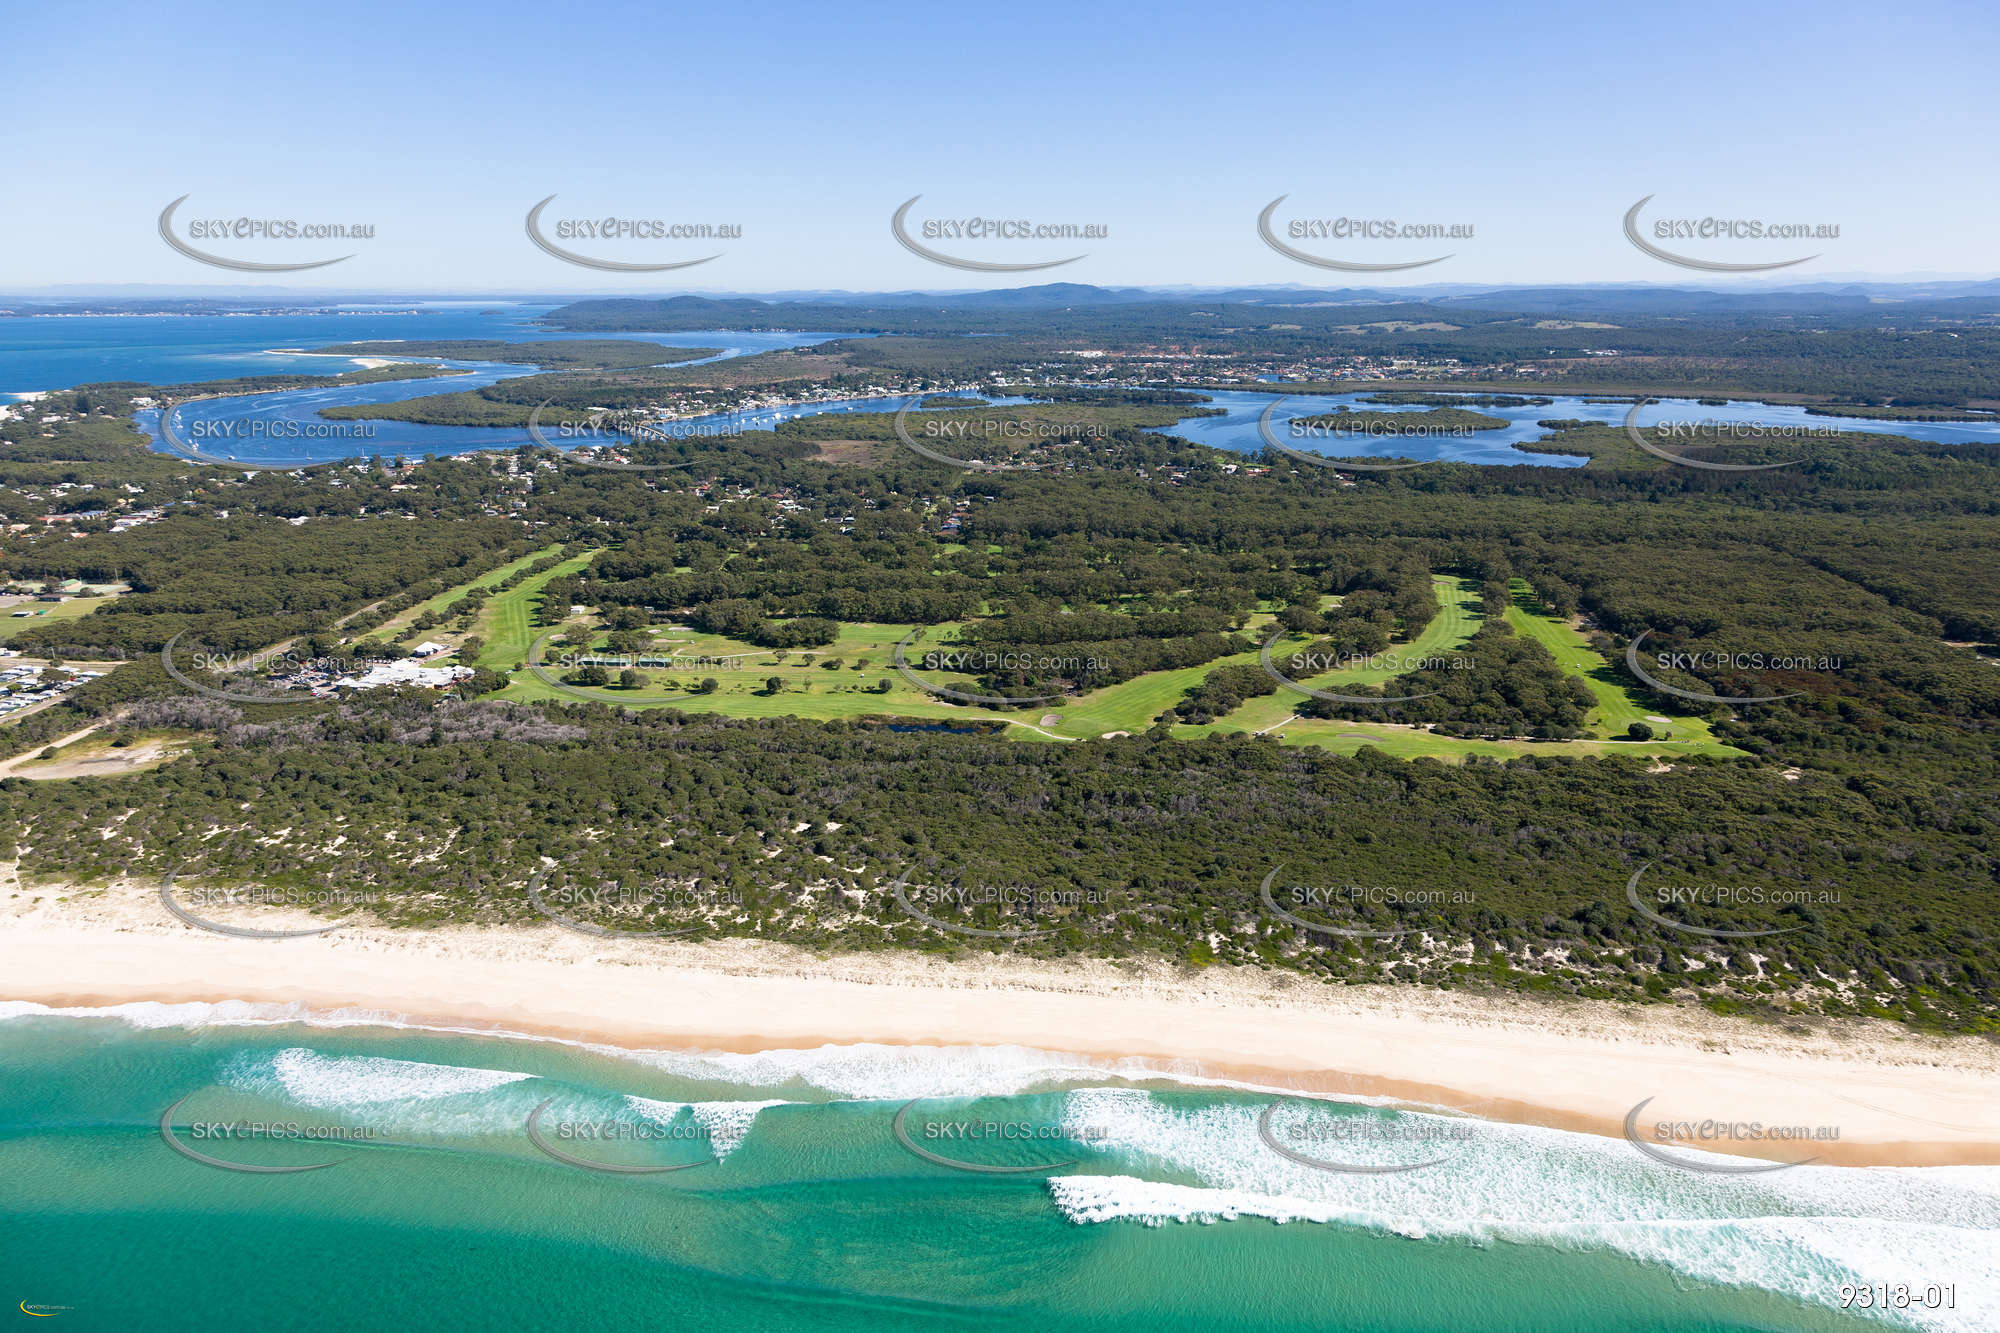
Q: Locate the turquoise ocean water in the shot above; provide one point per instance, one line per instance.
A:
(1148, 1201)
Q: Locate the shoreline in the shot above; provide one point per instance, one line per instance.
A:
(361, 362)
(1894, 1098)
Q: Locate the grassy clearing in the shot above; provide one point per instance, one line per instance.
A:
(742, 671)
(508, 622)
(95, 756)
(1617, 706)
(865, 652)
(43, 612)
(1415, 743)
(450, 597)
(1458, 619)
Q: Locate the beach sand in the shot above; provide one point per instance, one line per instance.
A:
(364, 362)
(1892, 1096)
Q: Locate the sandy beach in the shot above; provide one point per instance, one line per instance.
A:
(1891, 1096)
(364, 362)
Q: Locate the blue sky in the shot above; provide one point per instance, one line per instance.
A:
(1169, 125)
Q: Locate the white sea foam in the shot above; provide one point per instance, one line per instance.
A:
(871, 1071)
(1801, 1232)
(861, 1070)
(397, 1096)
(726, 1124)
(146, 1014)
(314, 1079)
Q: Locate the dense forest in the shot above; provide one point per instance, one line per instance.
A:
(1860, 586)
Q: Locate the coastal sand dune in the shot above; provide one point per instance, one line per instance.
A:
(1892, 1097)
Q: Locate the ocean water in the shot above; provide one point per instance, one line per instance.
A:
(60, 352)
(1144, 1198)
(42, 353)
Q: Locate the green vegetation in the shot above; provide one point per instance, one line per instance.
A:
(1133, 576)
(453, 600)
(39, 614)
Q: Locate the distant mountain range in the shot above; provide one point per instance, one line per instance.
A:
(1579, 300)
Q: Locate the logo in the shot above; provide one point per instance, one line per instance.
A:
(970, 1130)
(1740, 1131)
(181, 448)
(1011, 896)
(568, 455)
(274, 1131)
(1271, 438)
(622, 229)
(902, 664)
(1699, 696)
(1352, 1129)
(1353, 893)
(1009, 229)
(1349, 228)
(909, 442)
(600, 1130)
(285, 897)
(1632, 897)
(1271, 670)
(618, 895)
(1633, 434)
(246, 228)
(317, 671)
(1718, 228)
